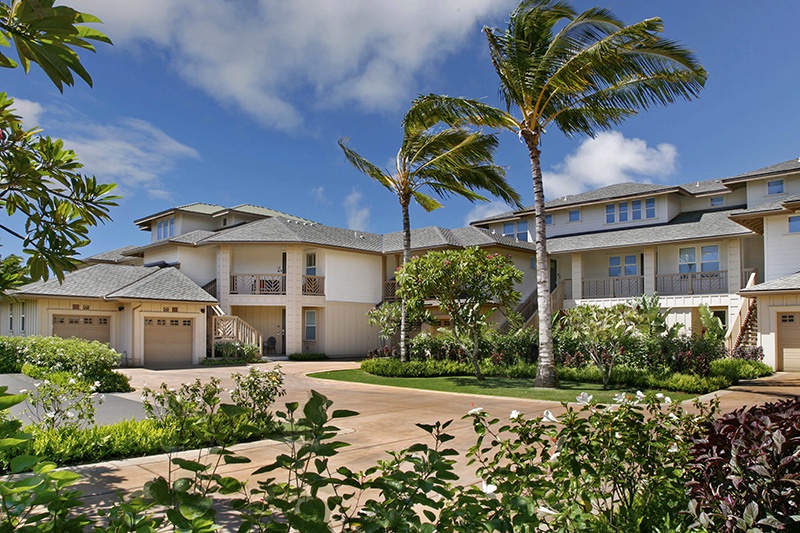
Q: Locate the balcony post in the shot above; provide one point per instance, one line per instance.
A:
(577, 276)
(734, 265)
(649, 270)
(224, 278)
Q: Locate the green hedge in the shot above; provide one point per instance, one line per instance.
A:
(90, 361)
(308, 357)
(723, 374)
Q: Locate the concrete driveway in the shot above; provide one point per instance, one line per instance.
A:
(386, 422)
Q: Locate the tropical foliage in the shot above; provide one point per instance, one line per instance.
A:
(446, 161)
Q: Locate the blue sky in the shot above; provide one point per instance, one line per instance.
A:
(243, 102)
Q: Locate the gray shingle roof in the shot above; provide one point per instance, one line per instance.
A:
(780, 168)
(775, 205)
(786, 283)
(437, 237)
(704, 187)
(112, 256)
(688, 226)
(118, 281)
(285, 230)
(264, 211)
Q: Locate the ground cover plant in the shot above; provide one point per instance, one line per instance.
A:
(89, 361)
(638, 463)
(188, 417)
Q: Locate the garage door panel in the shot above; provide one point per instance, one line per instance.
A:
(92, 328)
(789, 341)
(168, 341)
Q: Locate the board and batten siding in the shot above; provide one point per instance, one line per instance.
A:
(757, 190)
(266, 319)
(780, 247)
(256, 259)
(353, 277)
(199, 264)
(347, 331)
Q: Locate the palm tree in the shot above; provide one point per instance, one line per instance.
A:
(582, 73)
(448, 160)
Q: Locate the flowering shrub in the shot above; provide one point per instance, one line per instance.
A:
(90, 361)
(257, 391)
(246, 353)
(441, 347)
(745, 470)
(188, 409)
(61, 402)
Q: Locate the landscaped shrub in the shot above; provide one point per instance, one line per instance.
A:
(308, 357)
(245, 353)
(745, 470)
(256, 391)
(521, 345)
(738, 369)
(89, 361)
(59, 401)
(694, 354)
(749, 353)
(441, 347)
(415, 369)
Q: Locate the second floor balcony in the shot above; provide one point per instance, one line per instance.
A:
(274, 284)
(684, 283)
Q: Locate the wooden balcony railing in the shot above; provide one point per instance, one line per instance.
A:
(232, 329)
(616, 287)
(314, 285)
(258, 284)
(714, 282)
(389, 290)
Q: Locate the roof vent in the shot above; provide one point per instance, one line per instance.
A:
(697, 184)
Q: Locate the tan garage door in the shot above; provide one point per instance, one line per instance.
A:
(93, 328)
(168, 341)
(789, 341)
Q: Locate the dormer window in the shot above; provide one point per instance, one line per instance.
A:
(165, 228)
(775, 187)
(516, 230)
(627, 211)
(717, 201)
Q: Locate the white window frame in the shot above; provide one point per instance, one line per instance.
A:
(548, 219)
(611, 213)
(570, 213)
(778, 183)
(794, 224)
(310, 322)
(703, 261)
(717, 201)
(650, 206)
(311, 264)
(692, 263)
(623, 263)
(513, 229)
(636, 210)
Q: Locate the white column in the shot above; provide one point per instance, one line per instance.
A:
(294, 307)
(577, 276)
(649, 270)
(734, 265)
(224, 278)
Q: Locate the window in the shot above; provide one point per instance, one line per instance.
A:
(11, 317)
(717, 201)
(687, 260)
(627, 265)
(794, 224)
(165, 228)
(709, 258)
(311, 325)
(575, 215)
(516, 230)
(636, 210)
(311, 264)
(623, 212)
(548, 220)
(22, 316)
(611, 213)
(787, 318)
(650, 208)
(775, 187)
(533, 262)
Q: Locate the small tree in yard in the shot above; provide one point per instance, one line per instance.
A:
(600, 333)
(469, 286)
(388, 318)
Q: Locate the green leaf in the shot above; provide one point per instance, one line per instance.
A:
(23, 463)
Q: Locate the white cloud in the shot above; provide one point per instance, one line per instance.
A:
(485, 210)
(357, 215)
(31, 112)
(318, 193)
(259, 54)
(133, 153)
(607, 159)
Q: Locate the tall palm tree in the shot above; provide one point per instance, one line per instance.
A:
(582, 73)
(445, 160)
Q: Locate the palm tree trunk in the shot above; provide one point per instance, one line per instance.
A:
(404, 325)
(546, 373)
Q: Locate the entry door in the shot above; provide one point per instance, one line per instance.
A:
(789, 341)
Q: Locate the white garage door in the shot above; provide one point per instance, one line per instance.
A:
(789, 341)
(92, 328)
(168, 341)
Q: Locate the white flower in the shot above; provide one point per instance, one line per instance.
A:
(488, 488)
(36, 384)
(102, 397)
(620, 397)
(514, 415)
(640, 395)
(96, 384)
(667, 399)
(72, 381)
(659, 396)
(555, 456)
(673, 416)
(23, 391)
(70, 414)
(475, 411)
(673, 448)
(545, 511)
(584, 398)
(548, 416)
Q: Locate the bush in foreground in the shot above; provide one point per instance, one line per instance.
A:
(89, 361)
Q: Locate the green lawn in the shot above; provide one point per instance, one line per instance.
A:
(491, 386)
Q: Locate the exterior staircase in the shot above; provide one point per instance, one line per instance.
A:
(748, 335)
(529, 308)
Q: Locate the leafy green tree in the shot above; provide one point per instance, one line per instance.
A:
(580, 72)
(469, 285)
(388, 318)
(39, 178)
(452, 160)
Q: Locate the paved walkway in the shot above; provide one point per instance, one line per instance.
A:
(386, 421)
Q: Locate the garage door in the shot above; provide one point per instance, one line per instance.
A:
(789, 341)
(93, 328)
(168, 341)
